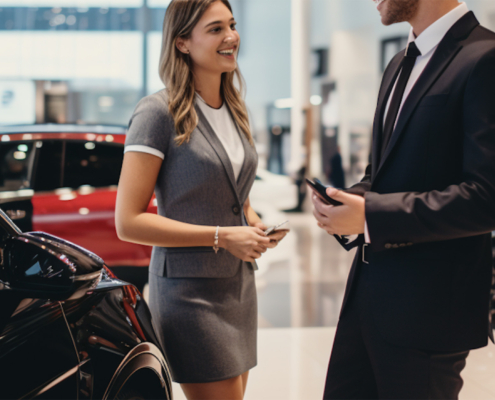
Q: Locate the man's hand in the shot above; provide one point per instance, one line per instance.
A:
(347, 219)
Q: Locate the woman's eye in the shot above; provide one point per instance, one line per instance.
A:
(233, 27)
(216, 30)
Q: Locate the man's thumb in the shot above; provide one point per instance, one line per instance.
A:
(335, 194)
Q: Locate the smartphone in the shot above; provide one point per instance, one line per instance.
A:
(280, 227)
(321, 191)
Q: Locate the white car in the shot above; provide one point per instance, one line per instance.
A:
(274, 191)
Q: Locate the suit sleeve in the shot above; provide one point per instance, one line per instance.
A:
(461, 210)
(150, 127)
(362, 187)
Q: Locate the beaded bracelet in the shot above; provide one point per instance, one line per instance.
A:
(215, 243)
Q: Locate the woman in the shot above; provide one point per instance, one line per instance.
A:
(191, 143)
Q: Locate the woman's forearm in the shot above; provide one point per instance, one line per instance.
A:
(251, 216)
(155, 230)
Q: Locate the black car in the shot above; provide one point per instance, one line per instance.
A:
(69, 329)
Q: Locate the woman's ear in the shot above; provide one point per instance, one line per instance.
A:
(181, 46)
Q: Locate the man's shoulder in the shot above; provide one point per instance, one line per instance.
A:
(486, 33)
(480, 41)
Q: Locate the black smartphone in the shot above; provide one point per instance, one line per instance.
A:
(321, 191)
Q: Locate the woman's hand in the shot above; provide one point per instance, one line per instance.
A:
(244, 242)
(274, 237)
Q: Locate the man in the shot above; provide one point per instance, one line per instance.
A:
(417, 298)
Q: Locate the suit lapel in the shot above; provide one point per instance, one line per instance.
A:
(440, 60)
(386, 88)
(443, 56)
(249, 165)
(207, 131)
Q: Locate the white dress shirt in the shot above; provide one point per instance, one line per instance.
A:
(427, 42)
(226, 130)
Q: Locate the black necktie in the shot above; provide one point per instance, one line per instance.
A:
(408, 63)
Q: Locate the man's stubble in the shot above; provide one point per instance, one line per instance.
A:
(396, 11)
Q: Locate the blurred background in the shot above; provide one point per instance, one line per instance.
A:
(313, 70)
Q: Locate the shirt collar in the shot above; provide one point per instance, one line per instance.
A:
(432, 36)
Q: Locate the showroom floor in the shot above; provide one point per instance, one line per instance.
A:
(300, 288)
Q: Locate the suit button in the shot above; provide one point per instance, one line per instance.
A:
(236, 210)
(395, 246)
(388, 246)
(402, 245)
(410, 244)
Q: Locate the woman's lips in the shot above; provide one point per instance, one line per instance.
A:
(228, 53)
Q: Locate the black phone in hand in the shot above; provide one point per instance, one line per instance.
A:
(321, 191)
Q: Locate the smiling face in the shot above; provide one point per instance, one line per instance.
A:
(214, 41)
(395, 11)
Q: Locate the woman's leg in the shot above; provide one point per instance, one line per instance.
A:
(230, 389)
(245, 377)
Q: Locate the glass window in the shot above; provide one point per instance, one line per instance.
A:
(16, 160)
(47, 173)
(92, 163)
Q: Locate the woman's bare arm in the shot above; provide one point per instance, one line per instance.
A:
(252, 217)
(135, 224)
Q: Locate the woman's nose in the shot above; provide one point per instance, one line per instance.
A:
(230, 38)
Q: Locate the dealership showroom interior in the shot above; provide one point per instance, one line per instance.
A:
(75, 298)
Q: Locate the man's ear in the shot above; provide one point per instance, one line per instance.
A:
(180, 43)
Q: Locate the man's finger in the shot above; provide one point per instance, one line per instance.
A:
(323, 208)
(319, 217)
(340, 195)
(316, 200)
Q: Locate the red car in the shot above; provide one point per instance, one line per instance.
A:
(62, 179)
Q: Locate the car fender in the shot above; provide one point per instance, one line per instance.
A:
(143, 356)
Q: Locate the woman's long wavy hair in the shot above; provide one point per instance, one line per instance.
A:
(176, 71)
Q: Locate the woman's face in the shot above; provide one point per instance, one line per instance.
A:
(214, 41)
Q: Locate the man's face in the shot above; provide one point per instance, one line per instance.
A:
(394, 11)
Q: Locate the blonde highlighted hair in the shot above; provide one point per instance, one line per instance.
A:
(176, 71)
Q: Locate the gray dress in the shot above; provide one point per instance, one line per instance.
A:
(203, 304)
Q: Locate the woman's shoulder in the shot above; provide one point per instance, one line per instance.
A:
(151, 124)
(156, 102)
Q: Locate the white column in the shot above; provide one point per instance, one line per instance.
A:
(300, 79)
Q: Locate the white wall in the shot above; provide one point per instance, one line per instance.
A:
(265, 55)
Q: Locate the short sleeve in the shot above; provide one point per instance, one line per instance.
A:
(150, 127)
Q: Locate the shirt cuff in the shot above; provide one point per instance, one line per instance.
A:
(144, 149)
(366, 233)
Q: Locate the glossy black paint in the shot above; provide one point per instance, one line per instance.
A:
(69, 329)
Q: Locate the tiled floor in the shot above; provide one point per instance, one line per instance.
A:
(300, 290)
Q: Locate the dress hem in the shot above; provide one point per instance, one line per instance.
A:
(230, 376)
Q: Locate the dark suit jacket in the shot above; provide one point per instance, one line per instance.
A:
(430, 199)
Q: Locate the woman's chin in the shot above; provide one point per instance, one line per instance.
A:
(229, 69)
